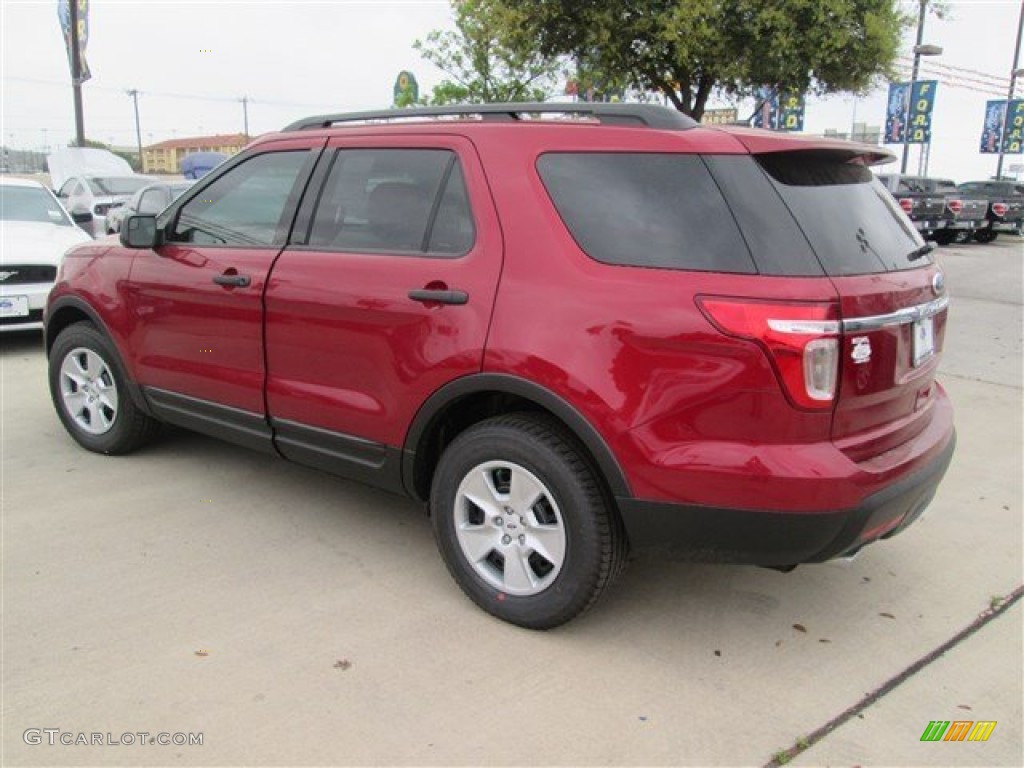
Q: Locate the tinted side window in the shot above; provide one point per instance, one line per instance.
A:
(245, 206)
(775, 240)
(645, 210)
(853, 224)
(394, 201)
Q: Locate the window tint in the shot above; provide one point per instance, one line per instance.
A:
(645, 210)
(854, 226)
(396, 201)
(775, 241)
(245, 206)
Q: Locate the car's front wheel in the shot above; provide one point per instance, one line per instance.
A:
(985, 235)
(88, 389)
(522, 523)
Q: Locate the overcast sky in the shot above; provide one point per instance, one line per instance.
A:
(192, 62)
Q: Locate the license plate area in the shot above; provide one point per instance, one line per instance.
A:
(924, 340)
(13, 306)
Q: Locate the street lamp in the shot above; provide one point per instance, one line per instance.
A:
(920, 49)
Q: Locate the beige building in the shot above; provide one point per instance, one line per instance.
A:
(166, 156)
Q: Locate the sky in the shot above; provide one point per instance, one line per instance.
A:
(193, 61)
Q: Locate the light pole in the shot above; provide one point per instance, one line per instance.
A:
(138, 131)
(1014, 74)
(245, 115)
(919, 50)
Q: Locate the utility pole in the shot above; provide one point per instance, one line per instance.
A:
(1015, 71)
(138, 131)
(76, 75)
(245, 116)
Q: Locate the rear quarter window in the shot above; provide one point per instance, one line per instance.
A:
(645, 210)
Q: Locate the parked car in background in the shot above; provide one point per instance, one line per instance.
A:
(920, 201)
(35, 231)
(197, 164)
(1005, 207)
(565, 336)
(90, 182)
(152, 198)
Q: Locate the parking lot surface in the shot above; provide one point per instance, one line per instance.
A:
(293, 618)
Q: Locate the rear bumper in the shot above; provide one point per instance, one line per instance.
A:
(967, 226)
(1007, 226)
(709, 534)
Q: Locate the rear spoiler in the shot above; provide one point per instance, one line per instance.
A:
(759, 141)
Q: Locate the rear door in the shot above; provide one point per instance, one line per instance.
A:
(892, 300)
(384, 295)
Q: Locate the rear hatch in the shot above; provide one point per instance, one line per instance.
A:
(892, 305)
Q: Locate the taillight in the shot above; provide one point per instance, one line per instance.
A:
(955, 206)
(1000, 209)
(907, 204)
(801, 339)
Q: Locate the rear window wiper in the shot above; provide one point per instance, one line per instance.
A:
(924, 250)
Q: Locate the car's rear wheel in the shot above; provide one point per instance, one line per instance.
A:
(944, 238)
(522, 523)
(88, 388)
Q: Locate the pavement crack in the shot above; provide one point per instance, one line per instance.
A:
(962, 377)
(996, 608)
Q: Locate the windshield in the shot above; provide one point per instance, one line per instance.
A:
(117, 185)
(30, 204)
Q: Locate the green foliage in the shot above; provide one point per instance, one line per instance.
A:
(685, 49)
(490, 57)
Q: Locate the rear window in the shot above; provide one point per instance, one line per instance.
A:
(854, 226)
(645, 210)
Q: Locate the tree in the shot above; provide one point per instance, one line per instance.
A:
(489, 57)
(685, 49)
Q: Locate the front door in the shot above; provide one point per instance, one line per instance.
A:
(197, 299)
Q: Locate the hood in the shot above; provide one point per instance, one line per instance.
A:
(29, 242)
(84, 161)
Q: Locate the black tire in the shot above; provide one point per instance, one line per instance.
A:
(985, 235)
(571, 502)
(944, 238)
(91, 396)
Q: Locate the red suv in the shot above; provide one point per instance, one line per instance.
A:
(569, 328)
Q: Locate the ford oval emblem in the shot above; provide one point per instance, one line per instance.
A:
(938, 283)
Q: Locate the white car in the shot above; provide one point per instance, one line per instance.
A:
(35, 231)
(90, 182)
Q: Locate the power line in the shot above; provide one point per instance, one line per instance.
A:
(169, 95)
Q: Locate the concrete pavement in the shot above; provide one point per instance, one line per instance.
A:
(293, 618)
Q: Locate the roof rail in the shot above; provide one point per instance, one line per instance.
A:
(648, 115)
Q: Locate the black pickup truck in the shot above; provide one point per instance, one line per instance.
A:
(1005, 207)
(938, 208)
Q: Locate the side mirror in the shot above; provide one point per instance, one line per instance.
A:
(139, 231)
(81, 216)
